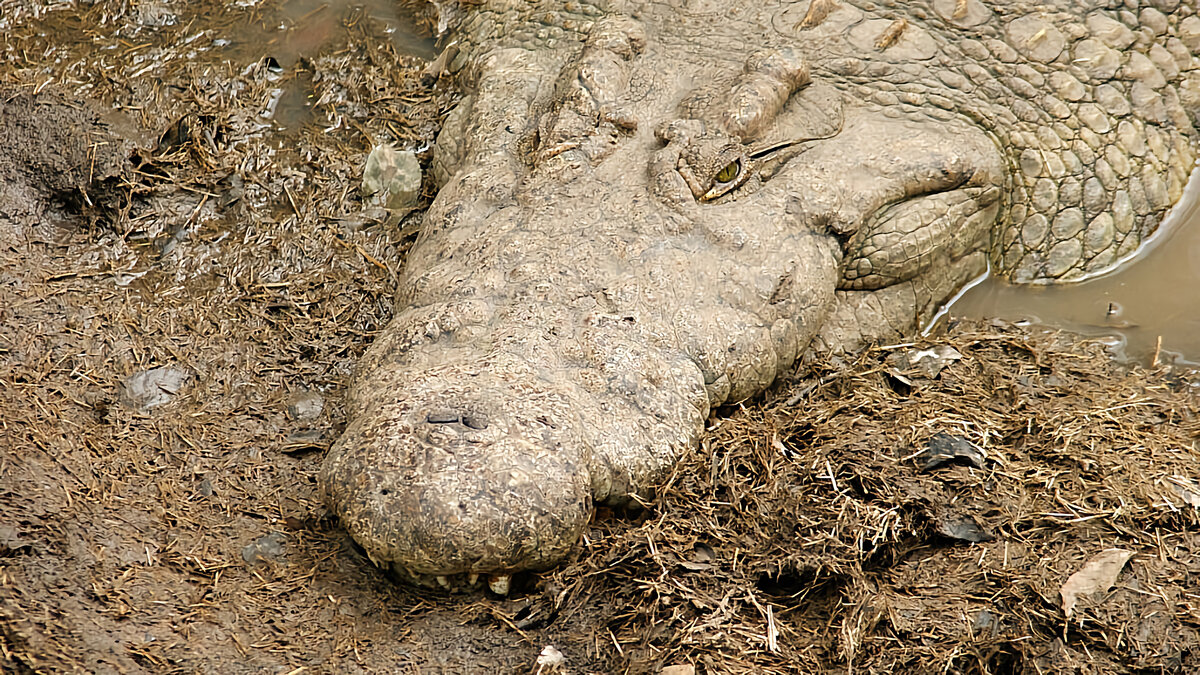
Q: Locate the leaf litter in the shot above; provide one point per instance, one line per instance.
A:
(1098, 575)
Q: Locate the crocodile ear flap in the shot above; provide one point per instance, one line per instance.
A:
(906, 239)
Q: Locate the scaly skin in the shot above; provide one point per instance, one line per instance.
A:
(597, 272)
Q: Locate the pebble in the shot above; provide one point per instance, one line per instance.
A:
(151, 388)
(266, 548)
(304, 406)
(393, 177)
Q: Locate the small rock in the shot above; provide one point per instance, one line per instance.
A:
(943, 448)
(963, 528)
(154, 387)
(393, 178)
(269, 547)
(550, 659)
(305, 406)
(681, 669)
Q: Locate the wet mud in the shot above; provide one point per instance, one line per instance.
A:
(185, 286)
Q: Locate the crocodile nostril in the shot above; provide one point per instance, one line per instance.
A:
(477, 421)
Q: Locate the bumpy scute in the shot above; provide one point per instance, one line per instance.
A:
(643, 218)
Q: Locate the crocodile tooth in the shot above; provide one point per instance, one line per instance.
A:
(472, 579)
(443, 581)
(499, 583)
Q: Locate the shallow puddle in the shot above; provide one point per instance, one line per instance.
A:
(285, 35)
(297, 29)
(1149, 306)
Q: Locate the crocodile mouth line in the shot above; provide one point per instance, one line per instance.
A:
(500, 584)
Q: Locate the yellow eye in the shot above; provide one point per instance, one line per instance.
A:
(730, 172)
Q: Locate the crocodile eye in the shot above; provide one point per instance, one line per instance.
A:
(730, 172)
(730, 177)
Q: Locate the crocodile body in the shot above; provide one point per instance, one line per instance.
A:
(654, 208)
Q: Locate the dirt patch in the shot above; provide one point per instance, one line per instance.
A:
(56, 153)
(173, 359)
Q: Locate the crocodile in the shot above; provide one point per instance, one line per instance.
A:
(651, 209)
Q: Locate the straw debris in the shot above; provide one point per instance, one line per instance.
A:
(812, 531)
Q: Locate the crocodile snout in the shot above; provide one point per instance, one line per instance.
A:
(455, 474)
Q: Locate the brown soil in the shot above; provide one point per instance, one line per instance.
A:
(178, 318)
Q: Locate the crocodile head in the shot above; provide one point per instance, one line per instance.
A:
(642, 219)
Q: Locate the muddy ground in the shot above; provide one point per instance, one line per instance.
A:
(185, 288)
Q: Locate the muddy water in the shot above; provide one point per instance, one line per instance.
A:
(290, 31)
(295, 29)
(1149, 305)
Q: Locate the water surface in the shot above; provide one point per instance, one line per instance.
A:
(1148, 305)
(290, 31)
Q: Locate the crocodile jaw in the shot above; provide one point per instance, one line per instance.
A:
(458, 475)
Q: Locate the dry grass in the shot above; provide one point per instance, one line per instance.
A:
(802, 536)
